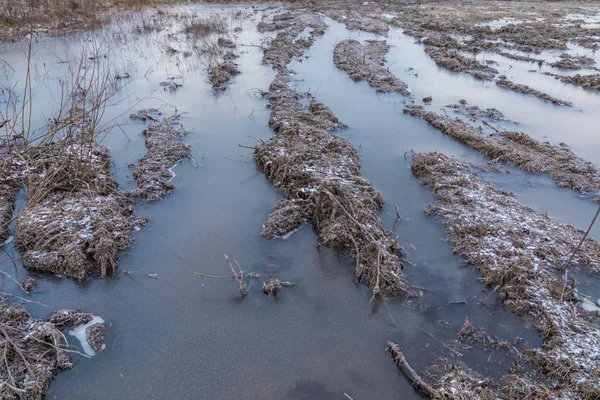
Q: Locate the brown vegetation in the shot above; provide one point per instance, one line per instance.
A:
(522, 255)
(585, 81)
(503, 82)
(34, 350)
(521, 150)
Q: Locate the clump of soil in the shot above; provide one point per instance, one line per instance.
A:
(34, 350)
(521, 254)
(285, 45)
(519, 57)
(568, 61)
(585, 81)
(222, 73)
(521, 150)
(367, 62)
(528, 90)
(454, 61)
(152, 172)
(274, 286)
(320, 174)
(95, 335)
(76, 220)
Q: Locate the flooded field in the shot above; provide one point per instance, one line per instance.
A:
(303, 142)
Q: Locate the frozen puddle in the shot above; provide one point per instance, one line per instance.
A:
(79, 333)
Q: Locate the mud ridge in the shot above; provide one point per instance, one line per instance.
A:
(521, 150)
(320, 175)
(355, 20)
(152, 172)
(367, 62)
(521, 254)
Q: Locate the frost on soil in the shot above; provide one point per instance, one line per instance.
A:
(521, 255)
(367, 62)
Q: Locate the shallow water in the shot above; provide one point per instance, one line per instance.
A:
(184, 337)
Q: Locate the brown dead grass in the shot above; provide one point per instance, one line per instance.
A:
(517, 87)
(34, 350)
(521, 150)
(585, 81)
(367, 62)
(520, 254)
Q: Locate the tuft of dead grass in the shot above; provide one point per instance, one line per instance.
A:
(34, 350)
(367, 62)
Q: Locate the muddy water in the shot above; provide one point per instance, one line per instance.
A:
(181, 337)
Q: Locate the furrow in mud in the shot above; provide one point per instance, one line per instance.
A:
(517, 87)
(367, 62)
(76, 220)
(153, 171)
(521, 150)
(34, 350)
(320, 175)
(521, 254)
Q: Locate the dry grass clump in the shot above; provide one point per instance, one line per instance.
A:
(521, 150)
(367, 62)
(221, 74)
(454, 61)
(585, 81)
(503, 82)
(520, 254)
(34, 350)
(320, 174)
(152, 172)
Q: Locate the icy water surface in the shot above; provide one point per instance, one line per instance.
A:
(183, 337)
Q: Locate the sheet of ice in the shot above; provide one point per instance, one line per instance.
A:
(79, 333)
